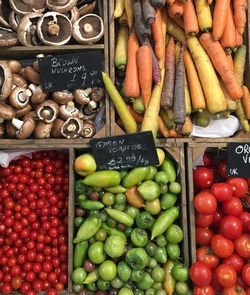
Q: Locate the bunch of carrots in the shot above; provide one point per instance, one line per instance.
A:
(181, 62)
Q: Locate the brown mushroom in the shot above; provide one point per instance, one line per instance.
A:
(24, 128)
(30, 115)
(6, 112)
(14, 20)
(7, 37)
(72, 128)
(32, 75)
(22, 112)
(88, 130)
(54, 28)
(1, 130)
(61, 5)
(19, 97)
(68, 111)
(27, 29)
(19, 81)
(97, 94)
(62, 97)
(87, 8)
(42, 130)
(23, 73)
(4, 13)
(15, 66)
(56, 128)
(88, 29)
(10, 130)
(24, 7)
(81, 96)
(6, 80)
(90, 110)
(47, 111)
(73, 14)
(35, 64)
(38, 95)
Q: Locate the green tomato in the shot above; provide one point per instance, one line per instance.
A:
(175, 188)
(128, 232)
(144, 220)
(174, 234)
(123, 173)
(77, 288)
(108, 270)
(114, 246)
(96, 252)
(150, 291)
(139, 237)
(164, 189)
(111, 222)
(153, 207)
(180, 272)
(108, 199)
(119, 207)
(94, 213)
(101, 235)
(157, 286)
(146, 282)
(161, 255)
(116, 283)
(149, 190)
(158, 274)
(181, 288)
(79, 275)
(124, 271)
(137, 258)
(125, 291)
(161, 292)
(168, 200)
(136, 275)
(132, 211)
(152, 262)
(78, 221)
(161, 177)
(120, 199)
(92, 287)
(174, 251)
(92, 240)
(103, 285)
(139, 292)
(161, 241)
(152, 170)
(151, 248)
(81, 197)
(103, 215)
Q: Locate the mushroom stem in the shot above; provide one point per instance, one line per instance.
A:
(71, 128)
(53, 28)
(23, 96)
(17, 123)
(1, 120)
(70, 107)
(88, 28)
(92, 104)
(46, 112)
(32, 88)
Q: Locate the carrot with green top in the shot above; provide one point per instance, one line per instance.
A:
(240, 18)
(246, 101)
(158, 34)
(131, 83)
(228, 38)
(220, 18)
(191, 25)
(144, 61)
(219, 60)
(175, 10)
(203, 15)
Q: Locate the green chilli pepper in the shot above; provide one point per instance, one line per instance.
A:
(135, 176)
(88, 229)
(91, 205)
(80, 253)
(91, 277)
(103, 178)
(120, 217)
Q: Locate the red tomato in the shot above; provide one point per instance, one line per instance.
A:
(203, 236)
(217, 218)
(234, 290)
(16, 282)
(245, 218)
(248, 291)
(217, 287)
(242, 246)
(222, 191)
(235, 261)
(246, 200)
(221, 246)
(239, 186)
(38, 285)
(203, 220)
(241, 283)
(222, 168)
(231, 227)
(51, 291)
(6, 288)
(203, 177)
(246, 274)
(232, 207)
(205, 203)
(226, 275)
(25, 287)
(200, 274)
(205, 255)
(207, 290)
(208, 159)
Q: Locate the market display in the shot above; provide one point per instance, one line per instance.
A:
(127, 238)
(36, 23)
(222, 220)
(34, 224)
(179, 64)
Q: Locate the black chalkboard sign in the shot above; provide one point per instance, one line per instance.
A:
(71, 71)
(125, 151)
(238, 160)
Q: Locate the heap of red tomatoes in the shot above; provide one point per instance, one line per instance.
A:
(222, 231)
(33, 224)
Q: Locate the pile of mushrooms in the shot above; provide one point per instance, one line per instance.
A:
(27, 111)
(49, 22)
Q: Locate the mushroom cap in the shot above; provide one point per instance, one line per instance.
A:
(24, 111)
(61, 5)
(97, 94)
(56, 129)
(81, 96)
(27, 129)
(88, 29)
(87, 8)
(1, 130)
(6, 80)
(88, 130)
(32, 75)
(15, 65)
(62, 97)
(68, 111)
(6, 112)
(26, 31)
(72, 128)
(18, 80)
(5, 11)
(47, 111)
(54, 18)
(19, 97)
(14, 20)
(7, 37)
(25, 7)
(43, 130)
(10, 129)
(73, 14)
(39, 95)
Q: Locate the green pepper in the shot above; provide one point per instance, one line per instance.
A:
(113, 231)
(103, 178)
(149, 190)
(91, 205)
(163, 222)
(88, 229)
(91, 277)
(169, 168)
(135, 176)
(80, 253)
(80, 187)
(169, 281)
(121, 217)
(116, 189)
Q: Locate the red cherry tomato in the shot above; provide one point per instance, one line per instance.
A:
(242, 246)
(231, 227)
(232, 207)
(226, 275)
(203, 220)
(222, 168)
(16, 282)
(51, 291)
(235, 261)
(205, 255)
(239, 186)
(205, 203)
(203, 177)
(222, 246)
(245, 218)
(246, 274)
(234, 290)
(203, 236)
(207, 290)
(217, 218)
(200, 274)
(208, 159)
(222, 191)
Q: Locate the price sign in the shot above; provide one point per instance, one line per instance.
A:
(238, 160)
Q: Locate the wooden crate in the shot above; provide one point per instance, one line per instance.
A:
(193, 151)
(115, 129)
(26, 52)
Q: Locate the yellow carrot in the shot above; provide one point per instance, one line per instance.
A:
(231, 103)
(129, 12)
(187, 97)
(242, 116)
(246, 101)
(123, 19)
(121, 49)
(174, 30)
(162, 127)
(239, 63)
(119, 8)
(203, 14)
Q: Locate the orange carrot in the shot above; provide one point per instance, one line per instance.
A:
(239, 39)
(220, 17)
(138, 117)
(230, 61)
(209, 2)
(176, 9)
(187, 127)
(131, 83)
(228, 38)
(219, 60)
(170, 1)
(173, 133)
(178, 21)
(145, 66)
(191, 25)
(162, 128)
(240, 18)
(158, 34)
(133, 197)
(246, 101)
